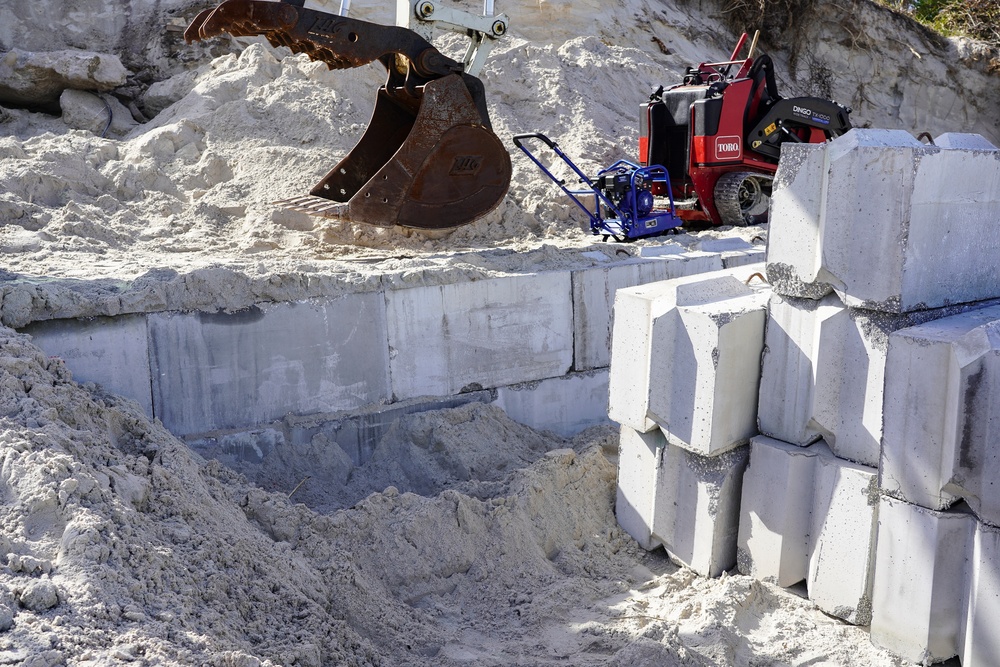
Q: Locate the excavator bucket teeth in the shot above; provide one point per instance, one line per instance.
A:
(429, 158)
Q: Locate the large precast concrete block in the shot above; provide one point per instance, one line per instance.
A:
(773, 542)
(445, 339)
(919, 595)
(980, 645)
(639, 456)
(942, 413)
(789, 366)
(686, 358)
(842, 537)
(687, 503)
(823, 372)
(889, 223)
(564, 405)
(110, 351)
(808, 515)
(231, 370)
(821, 377)
(706, 364)
(696, 507)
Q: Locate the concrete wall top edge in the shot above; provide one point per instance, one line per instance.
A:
(25, 299)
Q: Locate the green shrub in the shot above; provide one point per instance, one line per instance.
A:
(973, 18)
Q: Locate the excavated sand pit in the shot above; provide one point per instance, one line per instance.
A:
(465, 539)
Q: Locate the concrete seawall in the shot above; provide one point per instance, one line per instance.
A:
(536, 343)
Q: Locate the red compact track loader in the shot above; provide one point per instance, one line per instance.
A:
(429, 158)
(719, 134)
(708, 150)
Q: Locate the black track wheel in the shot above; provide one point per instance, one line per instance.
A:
(743, 198)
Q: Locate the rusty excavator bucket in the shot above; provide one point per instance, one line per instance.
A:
(429, 158)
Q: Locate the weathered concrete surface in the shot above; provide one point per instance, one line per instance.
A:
(942, 413)
(808, 515)
(637, 356)
(112, 352)
(223, 371)
(563, 405)
(889, 223)
(452, 338)
(823, 372)
(689, 504)
(918, 599)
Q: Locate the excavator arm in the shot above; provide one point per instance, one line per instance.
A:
(428, 159)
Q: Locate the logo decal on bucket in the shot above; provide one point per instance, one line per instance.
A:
(467, 164)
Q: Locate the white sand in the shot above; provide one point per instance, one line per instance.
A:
(497, 546)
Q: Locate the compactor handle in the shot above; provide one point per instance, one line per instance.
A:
(518, 138)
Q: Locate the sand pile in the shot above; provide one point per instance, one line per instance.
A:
(496, 546)
(194, 186)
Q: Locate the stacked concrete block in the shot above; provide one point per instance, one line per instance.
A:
(687, 503)
(842, 538)
(227, 370)
(446, 339)
(889, 223)
(683, 384)
(705, 366)
(979, 644)
(942, 414)
(824, 372)
(938, 584)
(921, 581)
(808, 515)
(109, 351)
(822, 375)
(639, 456)
(773, 541)
(685, 359)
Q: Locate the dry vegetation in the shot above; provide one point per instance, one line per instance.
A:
(979, 19)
